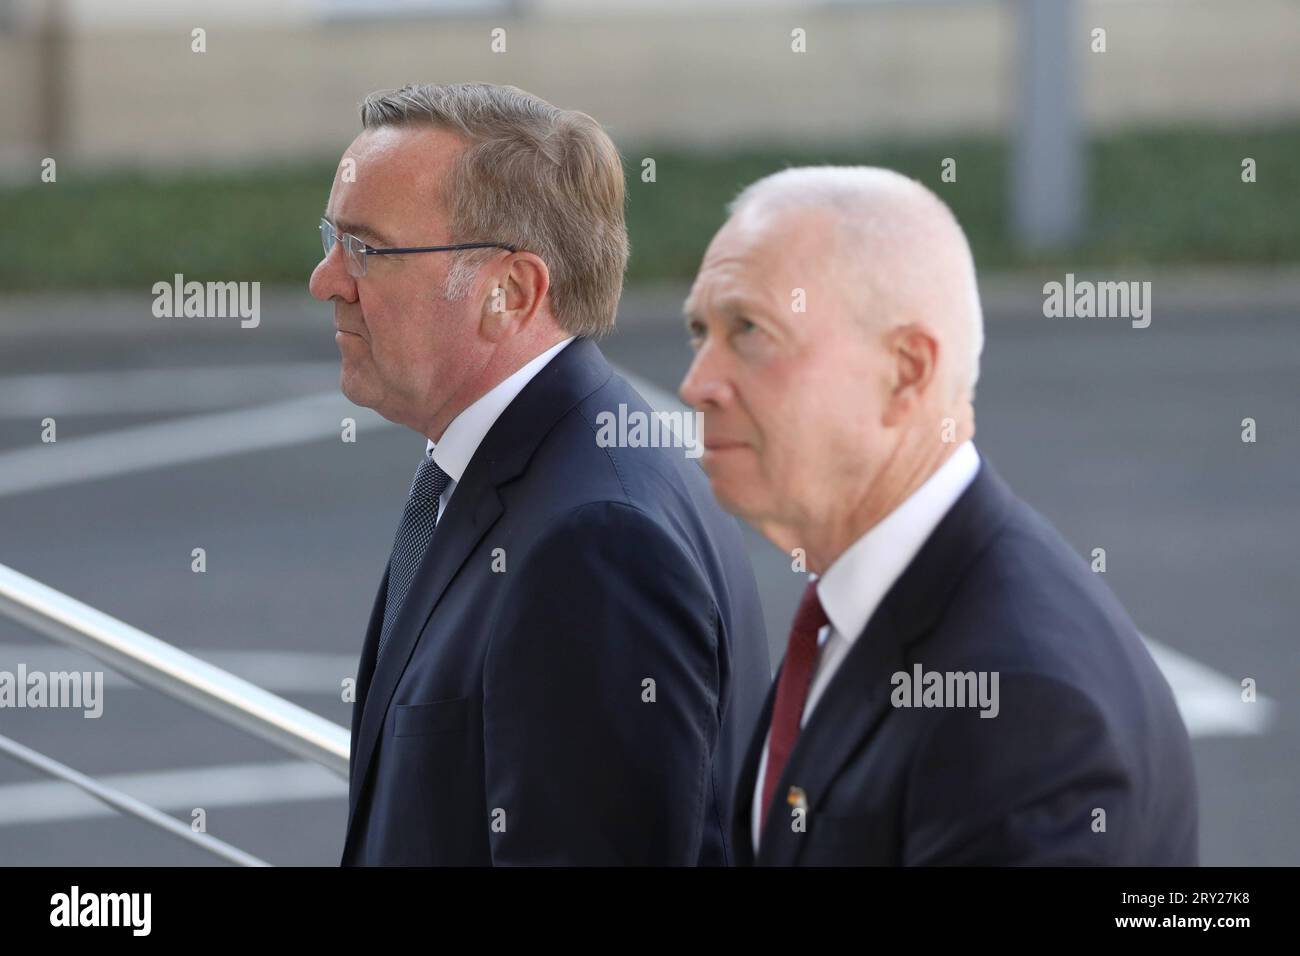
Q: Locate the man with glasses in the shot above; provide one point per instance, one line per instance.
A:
(566, 651)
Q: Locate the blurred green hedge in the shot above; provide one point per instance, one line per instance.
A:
(1173, 197)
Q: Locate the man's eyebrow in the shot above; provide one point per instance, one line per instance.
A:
(735, 305)
(728, 307)
(361, 231)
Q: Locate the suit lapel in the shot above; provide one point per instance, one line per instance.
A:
(857, 697)
(476, 505)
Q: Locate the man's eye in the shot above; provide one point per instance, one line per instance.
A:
(744, 325)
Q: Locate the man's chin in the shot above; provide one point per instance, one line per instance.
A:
(352, 390)
(731, 498)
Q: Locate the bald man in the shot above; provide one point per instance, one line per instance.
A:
(958, 687)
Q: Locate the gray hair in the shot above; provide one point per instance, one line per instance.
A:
(885, 219)
(545, 180)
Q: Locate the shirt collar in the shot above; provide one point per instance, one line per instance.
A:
(465, 433)
(853, 586)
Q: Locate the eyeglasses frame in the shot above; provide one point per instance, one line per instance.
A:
(368, 250)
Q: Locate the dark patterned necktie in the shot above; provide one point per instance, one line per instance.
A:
(418, 521)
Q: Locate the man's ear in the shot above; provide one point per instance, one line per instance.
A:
(913, 352)
(515, 292)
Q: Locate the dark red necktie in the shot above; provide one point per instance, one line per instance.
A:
(792, 690)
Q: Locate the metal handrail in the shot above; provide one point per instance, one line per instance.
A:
(186, 678)
(127, 803)
(183, 676)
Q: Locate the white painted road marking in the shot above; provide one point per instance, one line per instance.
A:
(177, 791)
(164, 391)
(180, 441)
(1210, 703)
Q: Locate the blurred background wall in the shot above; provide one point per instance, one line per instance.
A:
(283, 79)
(1074, 147)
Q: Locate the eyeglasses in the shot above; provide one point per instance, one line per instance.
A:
(356, 252)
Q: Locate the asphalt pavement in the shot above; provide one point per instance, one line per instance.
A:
(196, 433)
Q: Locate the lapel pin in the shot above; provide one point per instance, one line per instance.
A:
(797, 798)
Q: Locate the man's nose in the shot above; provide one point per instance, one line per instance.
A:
(704, 385)
(330, 279)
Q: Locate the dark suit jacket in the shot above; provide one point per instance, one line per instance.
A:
(507, 722)
(1085, 721)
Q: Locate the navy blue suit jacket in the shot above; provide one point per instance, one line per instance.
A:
(1085, 723)
(510, 719)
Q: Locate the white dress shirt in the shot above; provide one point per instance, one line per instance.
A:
(465, 433)
(853, 586)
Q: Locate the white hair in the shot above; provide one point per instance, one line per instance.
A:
(460, 278)
(898, 239)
